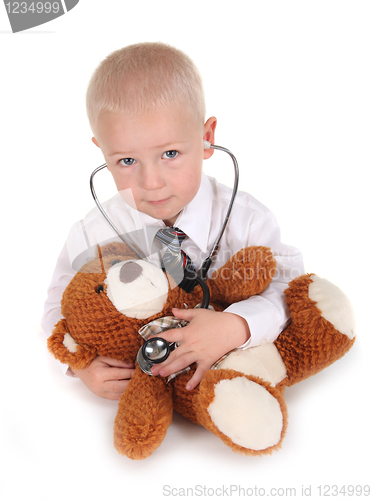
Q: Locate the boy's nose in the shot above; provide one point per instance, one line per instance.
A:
(151, 177)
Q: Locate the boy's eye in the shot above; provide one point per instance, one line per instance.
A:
(170, 154)
(127, 162)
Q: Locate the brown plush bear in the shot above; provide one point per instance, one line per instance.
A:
(241, 399)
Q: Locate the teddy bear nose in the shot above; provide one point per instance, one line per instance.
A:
(129, 272)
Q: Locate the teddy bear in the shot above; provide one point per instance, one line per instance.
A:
(241, 398)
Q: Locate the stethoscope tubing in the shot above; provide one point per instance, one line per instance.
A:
(144, 362)
(99, 206)
(208, 261)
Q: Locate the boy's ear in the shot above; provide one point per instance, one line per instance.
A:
(94, 140)
(209, 129)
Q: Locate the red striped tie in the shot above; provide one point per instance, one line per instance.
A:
(175, 261)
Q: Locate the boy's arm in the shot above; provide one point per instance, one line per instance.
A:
(267, 314)
(105, 377)
(262, 317)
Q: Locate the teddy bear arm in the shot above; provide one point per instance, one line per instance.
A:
(247, 273)
(144, 415)
(66, 350)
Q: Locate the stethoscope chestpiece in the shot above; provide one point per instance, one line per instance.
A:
(153, 351)
(156, 350)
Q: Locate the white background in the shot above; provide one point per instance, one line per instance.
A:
(290, 83)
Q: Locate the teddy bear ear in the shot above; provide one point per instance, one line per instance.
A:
(245, 274)
(99, 259)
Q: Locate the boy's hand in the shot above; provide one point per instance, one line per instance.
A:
(207, 337)
(106, 377)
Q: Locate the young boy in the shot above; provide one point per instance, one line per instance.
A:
(146, 108)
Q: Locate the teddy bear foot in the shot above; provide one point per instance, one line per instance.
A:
(139, 442)
(141, 423)
(322, 328)
(247, 413)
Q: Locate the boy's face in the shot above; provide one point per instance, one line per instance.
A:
(158, 155)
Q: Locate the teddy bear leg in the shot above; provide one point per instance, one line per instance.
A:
(322, 328)
(185, 402)
(143, 417)
(245, 412)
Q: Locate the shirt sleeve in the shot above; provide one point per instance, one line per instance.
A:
(62, 276)
(267, 314)
(76, 251)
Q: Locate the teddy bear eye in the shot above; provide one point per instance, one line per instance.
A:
(99, 288)
(115, 261)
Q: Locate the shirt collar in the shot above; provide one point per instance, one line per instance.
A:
(195, 218)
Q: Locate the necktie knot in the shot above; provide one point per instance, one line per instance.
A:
(171, 237)
(174, 260)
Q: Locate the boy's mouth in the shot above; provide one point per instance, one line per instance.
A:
(158, 202)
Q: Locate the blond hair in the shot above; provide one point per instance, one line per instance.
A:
(144, 77)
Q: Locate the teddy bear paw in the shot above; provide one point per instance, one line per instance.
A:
(247, 413)
(311, 298)
(333, 304)
(322, 329)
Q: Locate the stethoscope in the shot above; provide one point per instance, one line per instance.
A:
(156, 350)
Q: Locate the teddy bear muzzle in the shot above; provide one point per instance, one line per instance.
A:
(137, 288)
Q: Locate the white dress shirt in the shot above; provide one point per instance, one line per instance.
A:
(250, 223)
